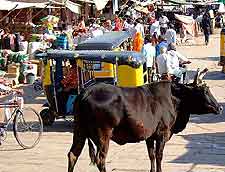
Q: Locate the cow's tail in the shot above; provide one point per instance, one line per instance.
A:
(92, 151)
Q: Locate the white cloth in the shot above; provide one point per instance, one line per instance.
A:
(171, 36)
(100, 4)
(168, 64)
(162, 63)
(140, 28)
(173, 63)
(163, 21)
(155, 28)
(128, 26)
(97, 32)
(149, 52)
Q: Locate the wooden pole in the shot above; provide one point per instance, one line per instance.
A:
(14, 17)
(8, 13)
(39, 12)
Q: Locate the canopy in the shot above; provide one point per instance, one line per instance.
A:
(131, 58)
(19, 4)
(184, 19)
(108, 41)
(188, 23)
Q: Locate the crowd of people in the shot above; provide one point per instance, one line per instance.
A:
(157, 41)
(156, 37)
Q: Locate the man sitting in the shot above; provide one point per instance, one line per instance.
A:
(168, 64)
(177, 62)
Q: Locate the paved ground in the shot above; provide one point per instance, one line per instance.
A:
(200, 148)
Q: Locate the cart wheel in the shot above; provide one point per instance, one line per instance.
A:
(47, 116)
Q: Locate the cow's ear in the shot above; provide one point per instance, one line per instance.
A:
(196, 78)
(202, 74)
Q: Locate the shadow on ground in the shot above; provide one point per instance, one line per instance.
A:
(208, 118)
(211, 75)
(60, 125)
(206, 148)
(206, 58)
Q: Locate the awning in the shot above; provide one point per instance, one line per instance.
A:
(178, 1)
(9, 5)
(100, 4)
(75, 8)
(20, 4)
(146, 3)
(184, 19)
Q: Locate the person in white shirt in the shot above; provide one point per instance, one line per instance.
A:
(163, 21)
(155, 28)
(128, 25)
(140, 27)
(162, 65)
(177, 63)
(148, 51)
(171, 35)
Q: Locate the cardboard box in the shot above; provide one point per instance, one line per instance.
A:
(14, 68)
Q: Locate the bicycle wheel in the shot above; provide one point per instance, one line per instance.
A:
(27, 127)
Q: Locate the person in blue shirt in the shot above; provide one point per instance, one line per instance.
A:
(162, 43)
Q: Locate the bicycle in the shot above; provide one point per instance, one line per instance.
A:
(24, 121)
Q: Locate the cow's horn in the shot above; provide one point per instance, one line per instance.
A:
(202, 74)
(195, 82)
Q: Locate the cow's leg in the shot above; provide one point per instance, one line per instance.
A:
(160, 144)
(151, 153)
(102, 149)
(77, 146)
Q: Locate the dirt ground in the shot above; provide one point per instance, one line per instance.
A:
(199, 148)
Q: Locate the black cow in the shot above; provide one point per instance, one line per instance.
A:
(130, 115)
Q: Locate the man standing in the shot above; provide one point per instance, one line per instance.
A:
(163, 21)
(206, 25)
(171, 35)
(162, 43)
(162, 64)
(140, 27)
(149, 52)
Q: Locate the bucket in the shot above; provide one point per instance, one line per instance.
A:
(30, 78)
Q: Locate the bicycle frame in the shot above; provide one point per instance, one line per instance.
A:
(12, 114)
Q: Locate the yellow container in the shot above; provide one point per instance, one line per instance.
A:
(105, 72)
(130, 77)
(106, 69)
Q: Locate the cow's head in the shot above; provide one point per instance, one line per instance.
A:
(202, 99)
